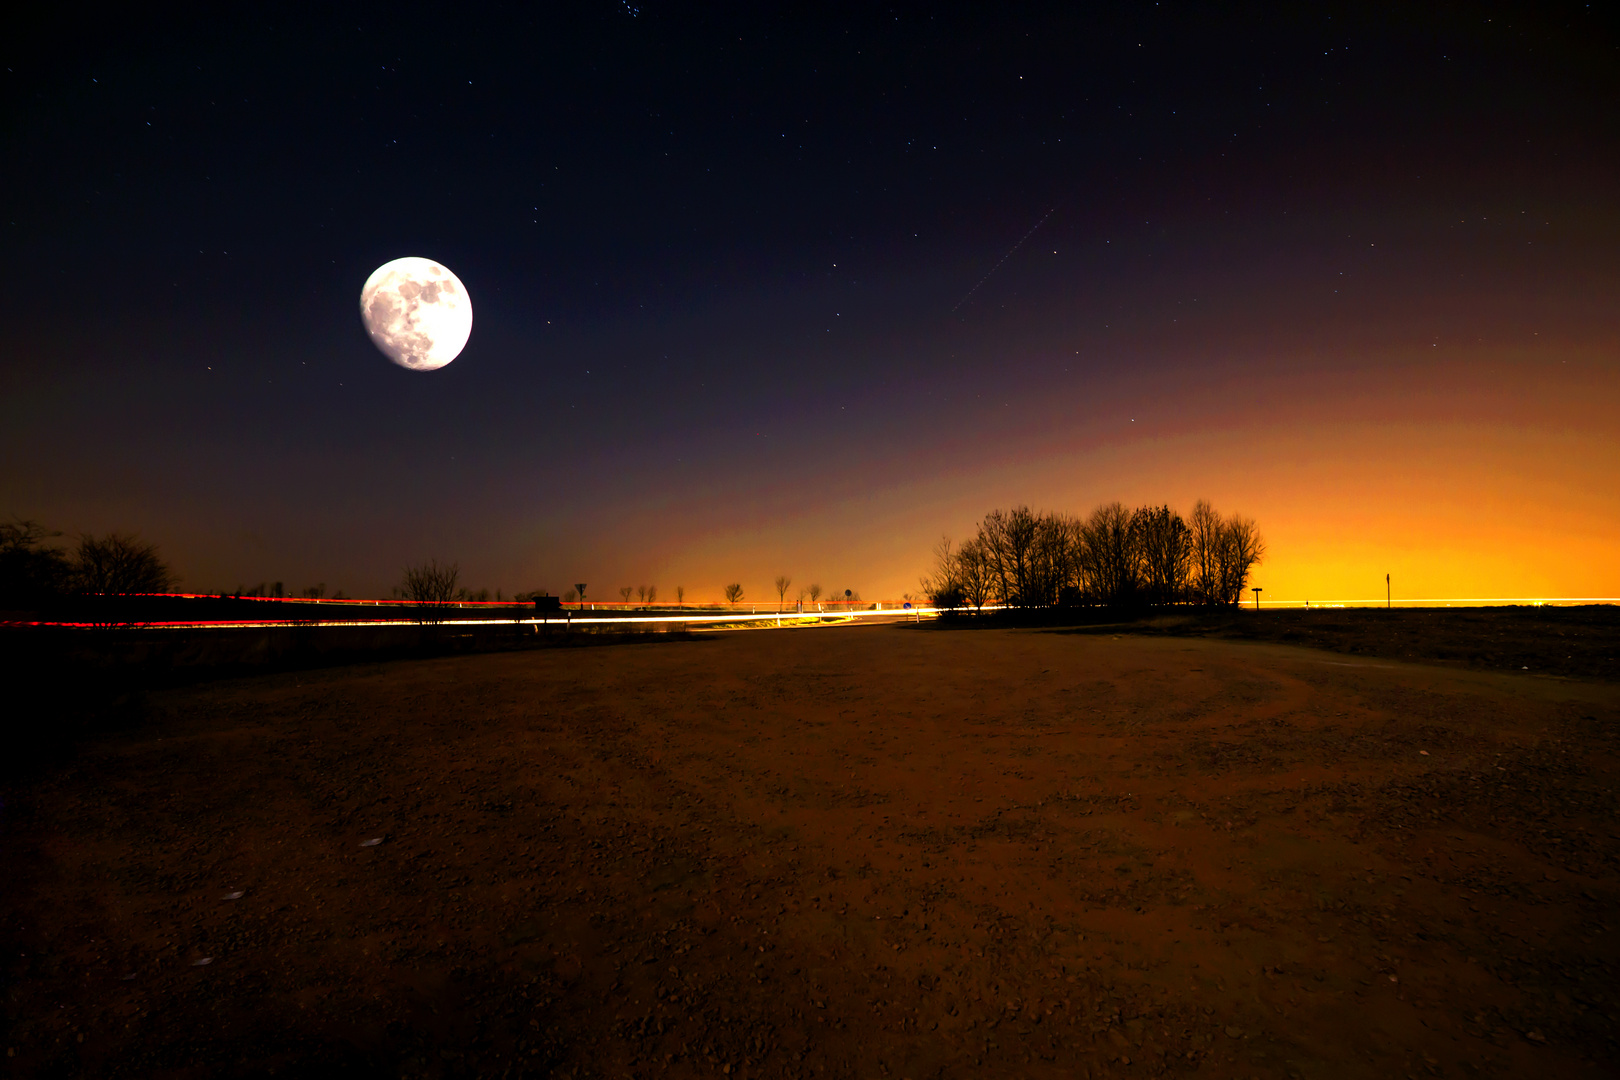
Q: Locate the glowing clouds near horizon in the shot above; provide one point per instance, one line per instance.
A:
(417, 312)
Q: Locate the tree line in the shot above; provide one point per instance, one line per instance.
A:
(1114, 557)
(33, 571)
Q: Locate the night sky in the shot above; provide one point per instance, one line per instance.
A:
(750, 296)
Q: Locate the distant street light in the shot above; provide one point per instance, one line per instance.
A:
(1257, 591)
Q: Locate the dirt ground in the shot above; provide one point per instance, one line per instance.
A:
(884, 851)
(1571, 642)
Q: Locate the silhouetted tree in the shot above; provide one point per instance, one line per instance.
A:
(943, 585)
(1053, 561)
(974, 571)
(30, 572)
(1009, 542)
(1109, 556)
(652, 594)
(782, 583)
(431, 586)
(733, 593)
(815, 592)
(641, 593)
(625, 591)
(118, 564)
(1165, 546)
(1205, 530)
(680, 595)
(1241, 548)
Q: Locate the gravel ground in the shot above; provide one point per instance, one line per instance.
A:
(888, 851)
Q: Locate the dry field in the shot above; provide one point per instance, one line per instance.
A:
(886, 851)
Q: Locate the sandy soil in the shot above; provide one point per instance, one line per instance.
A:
(890, 851)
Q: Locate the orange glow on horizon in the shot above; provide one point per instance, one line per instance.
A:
(1469, 480)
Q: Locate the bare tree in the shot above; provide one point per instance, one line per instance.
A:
(652, 594)
(680, 595)
(431, 586)
(1241, 549)
(733, 593)
(1110, 554)
(1073, 577)
(995, 533)
(118, 564)
(570, 596)
(943, 585)
(1206, 529)
(815, 592)
(1020, 534)
(625, 591)
(641, 593)
(782, 583)
(975, 572)
(1164, 544)
(1025, 553)
(1052, 559)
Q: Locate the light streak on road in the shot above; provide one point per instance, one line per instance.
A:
(1472, 601)
(768, 620)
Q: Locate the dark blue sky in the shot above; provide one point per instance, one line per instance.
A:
(723, 264)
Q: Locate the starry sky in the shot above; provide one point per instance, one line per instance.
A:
(767, 291)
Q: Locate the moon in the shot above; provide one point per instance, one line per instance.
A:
(417, 312)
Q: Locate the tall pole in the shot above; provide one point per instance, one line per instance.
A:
(1386, 593)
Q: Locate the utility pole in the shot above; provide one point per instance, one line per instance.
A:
(1386, 593)
(1257, 590)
